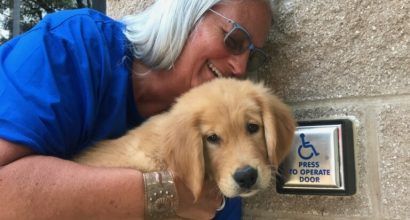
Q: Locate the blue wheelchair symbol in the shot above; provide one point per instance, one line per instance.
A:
(306, 144)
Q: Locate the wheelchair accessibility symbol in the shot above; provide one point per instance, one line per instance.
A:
(306, 144)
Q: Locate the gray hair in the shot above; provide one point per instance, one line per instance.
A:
(158, 34)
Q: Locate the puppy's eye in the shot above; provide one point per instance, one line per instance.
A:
(252, 128)
(213, 138)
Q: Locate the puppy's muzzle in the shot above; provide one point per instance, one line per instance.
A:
(246, 177)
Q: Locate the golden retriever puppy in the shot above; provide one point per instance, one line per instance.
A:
(229, 131)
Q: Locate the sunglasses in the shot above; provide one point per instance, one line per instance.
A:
(238, 40)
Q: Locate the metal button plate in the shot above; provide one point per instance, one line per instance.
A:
(315, 158)
(316, 163)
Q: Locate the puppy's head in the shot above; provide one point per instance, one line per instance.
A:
(229, 131)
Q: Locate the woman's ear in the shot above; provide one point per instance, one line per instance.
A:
(185, 151)
(279, 126)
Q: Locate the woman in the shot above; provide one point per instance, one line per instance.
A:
(79, 77)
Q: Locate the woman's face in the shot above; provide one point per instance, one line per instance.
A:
(205, 55)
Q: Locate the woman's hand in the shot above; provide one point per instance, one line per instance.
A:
(206, 205)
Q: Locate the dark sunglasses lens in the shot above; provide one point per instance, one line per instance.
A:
(256, 59)
(237, 41)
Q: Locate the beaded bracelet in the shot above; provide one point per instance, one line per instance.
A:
(161, 199)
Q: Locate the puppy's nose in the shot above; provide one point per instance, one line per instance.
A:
(246, 177)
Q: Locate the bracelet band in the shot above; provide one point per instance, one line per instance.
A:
(161, 199)
(222, 204)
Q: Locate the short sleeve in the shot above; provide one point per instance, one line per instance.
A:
(63, 84)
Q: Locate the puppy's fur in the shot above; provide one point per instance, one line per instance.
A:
(211, 132)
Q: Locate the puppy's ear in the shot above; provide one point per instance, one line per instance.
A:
(279, 126)
(185, 151)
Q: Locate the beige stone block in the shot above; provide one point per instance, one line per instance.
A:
(394, 165)
(119, 8)
(333, 49)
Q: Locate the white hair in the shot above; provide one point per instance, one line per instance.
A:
(158, 34)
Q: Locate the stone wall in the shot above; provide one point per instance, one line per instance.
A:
(341, 59)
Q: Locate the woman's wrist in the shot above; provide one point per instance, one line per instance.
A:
(161, 199)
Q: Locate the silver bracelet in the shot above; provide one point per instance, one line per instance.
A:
(222, 204)
(161, 200)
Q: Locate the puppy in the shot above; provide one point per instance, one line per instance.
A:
(229, 131)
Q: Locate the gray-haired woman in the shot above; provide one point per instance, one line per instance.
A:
(79, 77)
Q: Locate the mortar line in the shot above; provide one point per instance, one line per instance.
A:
(358, 101)
(373, 158)
(257, 214)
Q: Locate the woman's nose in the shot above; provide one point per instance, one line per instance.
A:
(238, 64)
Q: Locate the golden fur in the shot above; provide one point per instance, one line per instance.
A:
(178, 139)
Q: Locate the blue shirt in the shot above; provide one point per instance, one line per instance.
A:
(66, 84)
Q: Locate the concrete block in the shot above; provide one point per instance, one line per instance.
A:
(394, 164)
(119, 8)
(334, 49)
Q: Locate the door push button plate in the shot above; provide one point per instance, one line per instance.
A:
(321, 160)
